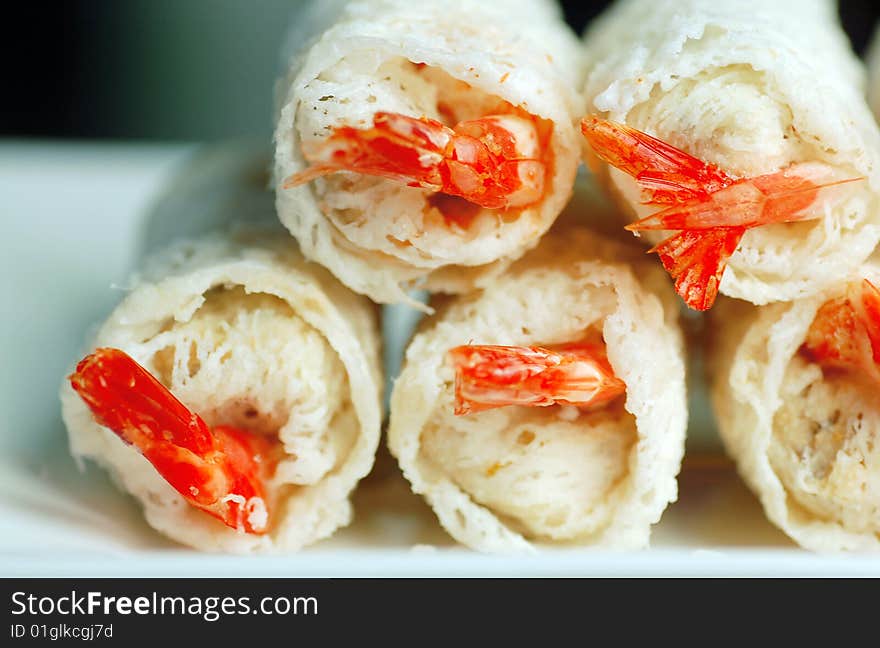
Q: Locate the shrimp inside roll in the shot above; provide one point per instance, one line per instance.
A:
(739, 141)
(712, 209)
(250, 404)
(548, 408)
(825, 445)
(410, 162)
(549, 469)
(249, 361)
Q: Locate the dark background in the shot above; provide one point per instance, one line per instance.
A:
(176, 69)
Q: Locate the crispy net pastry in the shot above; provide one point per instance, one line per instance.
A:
(246, 333)
(512, 478)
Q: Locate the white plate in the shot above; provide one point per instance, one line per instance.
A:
(76, 219)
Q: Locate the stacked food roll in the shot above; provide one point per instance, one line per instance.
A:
(428, 144)
(741, 144)
(795, 388)
(235, 392)
(548, 408)
(740, 141)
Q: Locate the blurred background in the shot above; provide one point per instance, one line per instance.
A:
(194, 70)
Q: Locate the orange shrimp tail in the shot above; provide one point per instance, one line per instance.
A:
(776, 198)
(493, 162)
(697, 260)
(832, 338)
(667, 174)
(397, 147)
(216, 471)
(487, 377)
(710, 209)
(845, 333)
(869, 313)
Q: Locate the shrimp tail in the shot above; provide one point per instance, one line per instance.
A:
(696, 260)
(490, 376)
(667, 174)
(710, 209)
(496, 162)
(217, 471)
(845, 333)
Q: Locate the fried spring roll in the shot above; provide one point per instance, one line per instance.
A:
(235, 393)
(428, 144)
(796, 392)
(740, 139)
(548, 408)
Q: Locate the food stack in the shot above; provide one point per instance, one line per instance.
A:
(433, 146)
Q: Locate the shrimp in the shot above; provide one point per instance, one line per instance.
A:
(220, 471)
(710, 209)
(494, 162)
(845, 334)
(488, 376)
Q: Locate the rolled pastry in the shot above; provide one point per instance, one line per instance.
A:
(472, 103)
(761, 109)
(508, 478)
(278, 359)
(795, 392)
